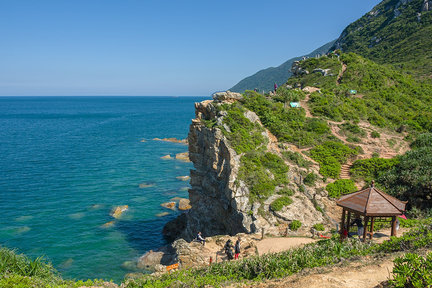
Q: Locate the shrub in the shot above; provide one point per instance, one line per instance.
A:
(369, 169)
(319, 227)
(411, 179)
(262, 172)
(330, 155)
(280, 203)
(296, 158)
(295, 225)
(375, 134)
(286, 192)
(423, 140)
(340, 187)
(244, 135)
(310, 179)
(412, 270)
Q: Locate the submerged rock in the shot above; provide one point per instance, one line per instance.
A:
(162, 214)
(166, 157)
(108, 224)
(172, 140)
(118, 211)
(146, 185)
(183, 178)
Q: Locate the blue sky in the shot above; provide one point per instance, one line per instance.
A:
(164, 47)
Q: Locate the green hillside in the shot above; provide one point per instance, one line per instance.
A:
(264, 79)
(385, 96)
(396, 32)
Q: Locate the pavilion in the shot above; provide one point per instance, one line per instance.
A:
(370, 203)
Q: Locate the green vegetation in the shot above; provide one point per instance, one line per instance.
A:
(296, 158)
(322, 253)
(370, 169)
(341, 187)
(375, 134)
(412, 270)
(286, 192)
(310, 179)
(389, 98)
(262, 172)
(319, 227)
(295, 225)
(330, 155)
(287, 124)
(402, 41)
(244, 135)
(258, 268)
(280, 203)
(411, 178)
(20, 271)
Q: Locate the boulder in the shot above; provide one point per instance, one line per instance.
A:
(184, 204)
(166, 157)
(227, 96)
(150, 259)
(169, 205)
(118, 211)
(183, 156)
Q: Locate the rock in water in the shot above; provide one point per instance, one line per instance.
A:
(183, 178)
(108, 224)
(118, 211)
(162, 214)
(183, 156)
(146, 185)
(166, 157)
(169, 205)
(184, 204)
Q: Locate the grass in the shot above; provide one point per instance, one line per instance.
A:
(19, 271)
(269, 266)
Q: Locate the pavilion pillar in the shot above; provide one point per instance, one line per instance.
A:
(348, 221)
(365, 227)
(343, 220)
(372, 226)
(393, 229)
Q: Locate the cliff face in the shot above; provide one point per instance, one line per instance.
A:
(218, 207)
(220, 200)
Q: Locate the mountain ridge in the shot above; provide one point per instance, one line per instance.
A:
(264, 79)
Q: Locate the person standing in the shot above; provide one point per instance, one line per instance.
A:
(360, 227)
(237, 248)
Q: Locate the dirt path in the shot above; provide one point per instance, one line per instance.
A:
(344, 67)
(273, 245)
(355, 275)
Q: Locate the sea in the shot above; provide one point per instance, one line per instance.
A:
(67, 162)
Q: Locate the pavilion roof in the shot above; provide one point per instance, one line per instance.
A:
(372, 202)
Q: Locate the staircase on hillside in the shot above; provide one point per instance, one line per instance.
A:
(345, 174)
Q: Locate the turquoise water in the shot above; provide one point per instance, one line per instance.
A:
(65, 162)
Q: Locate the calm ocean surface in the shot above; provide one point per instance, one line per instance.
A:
(65, 162)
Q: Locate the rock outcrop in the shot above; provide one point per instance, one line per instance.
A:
(220, 201)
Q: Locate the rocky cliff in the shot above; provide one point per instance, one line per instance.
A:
(220, 201)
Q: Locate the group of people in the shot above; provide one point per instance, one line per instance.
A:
(228, 248)
(232, 251)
